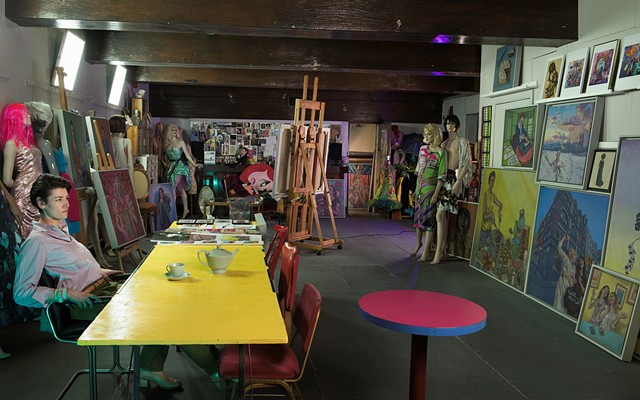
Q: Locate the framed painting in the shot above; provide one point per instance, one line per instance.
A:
(119, 206)
(623, 232)
(607, 319)
(74, 145)
(163, 195)
(633, 295)
(569, 136)
(552, 76)
(575, 71)
(502, 236)
(519, 142)
(99, 141)
(602, 68)
(602, 170)
(460, 230)
(628, 76)
(507, 70)
(359, 185)
(337, 193)
(567, 241)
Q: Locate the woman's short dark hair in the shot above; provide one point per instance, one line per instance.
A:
(452, 118)
(117, 124)
(43, 186)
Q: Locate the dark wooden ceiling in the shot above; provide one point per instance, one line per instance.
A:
(377, 61)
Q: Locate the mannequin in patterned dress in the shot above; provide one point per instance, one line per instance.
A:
(178, 167)
(22, 160)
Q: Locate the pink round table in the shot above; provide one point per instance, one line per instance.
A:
(422, 314)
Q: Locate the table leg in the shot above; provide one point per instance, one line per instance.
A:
(418, 377)
(93, 373)
(136, 372)
(241, 350)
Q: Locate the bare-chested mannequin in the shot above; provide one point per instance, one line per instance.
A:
(458, 176)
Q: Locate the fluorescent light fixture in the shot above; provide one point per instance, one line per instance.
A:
(69, 58)
(117, 85)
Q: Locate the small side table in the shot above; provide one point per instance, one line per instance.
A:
(422, 314)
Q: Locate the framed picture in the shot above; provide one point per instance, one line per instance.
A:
(568, 240)
(359, 185)
(502, 236)
(163, 195)
(338, 195)
(507, 71)
(552, 76)
(519, 142)
(460, 231)
(623, 232)
(607, 321)
(602, 170)
(570, 134)
(602, 68)
(633, 295)
(119, 206)
(74, 146)
(595, 277)
(628, 76)
(575, 71)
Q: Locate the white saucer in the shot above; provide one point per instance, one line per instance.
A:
(176, 278)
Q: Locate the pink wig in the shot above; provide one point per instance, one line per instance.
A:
(13, 126)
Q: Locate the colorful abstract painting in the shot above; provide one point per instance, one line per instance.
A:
(623, 238)
(502, 237)
(74, 145)
(337, 193)
(460, 230)
(628, 76)
(602, 63)
(359, 185)
(519, 141)
(568, 239)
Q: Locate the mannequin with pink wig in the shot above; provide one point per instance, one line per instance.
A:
(22, 160)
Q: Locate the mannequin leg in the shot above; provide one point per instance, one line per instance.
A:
(419, 237)
(427, 246)
(185, 203)
(441, 220)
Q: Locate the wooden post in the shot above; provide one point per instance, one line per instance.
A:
(61, 90)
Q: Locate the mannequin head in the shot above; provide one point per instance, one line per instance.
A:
(117, 124)
(41, 115)
(15, 124)
(451, 123)
(431, 134)
(172, 133)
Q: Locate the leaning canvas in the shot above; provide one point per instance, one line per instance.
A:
(567, 241)
(502, 238)
(602, 72)
(460, 231)
(507, 69)
(119, 206)
(623, 238)
(609, 317)
(74, 146)
(553, 74)
(162, 195)
(337, 194)
(569, 137)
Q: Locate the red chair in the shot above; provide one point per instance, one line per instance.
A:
(269, 365)
(275, 248)
(287, 282)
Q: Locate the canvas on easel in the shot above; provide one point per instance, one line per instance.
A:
(100, 142)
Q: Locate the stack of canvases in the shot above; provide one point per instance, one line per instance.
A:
(562, 249)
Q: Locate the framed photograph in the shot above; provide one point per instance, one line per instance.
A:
(568, 240)
(569, 136)
(623, 232)
(163, 195)
(460, 231)
(628, 76)
(575, 71)
(605, 320)
(602, 68)
(359, 176)
(595, 277)
(519, 142)
(503, 230)
(74, 145)
(602, 170)
(507, 71)
(119, 206)
(633, 295)
(552, 76)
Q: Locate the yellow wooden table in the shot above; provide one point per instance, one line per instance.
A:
(237, 307)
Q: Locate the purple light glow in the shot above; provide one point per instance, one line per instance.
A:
(442, 39)
(437, 73)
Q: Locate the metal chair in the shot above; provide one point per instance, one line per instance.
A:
(275, 248)
(277, 365)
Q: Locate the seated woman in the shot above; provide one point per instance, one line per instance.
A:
(49, 248)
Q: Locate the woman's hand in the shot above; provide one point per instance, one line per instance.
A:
(108, 272)
(81, 299)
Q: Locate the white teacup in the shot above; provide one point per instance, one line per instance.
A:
(176, 269)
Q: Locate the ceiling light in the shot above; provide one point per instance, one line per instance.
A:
(69, 58)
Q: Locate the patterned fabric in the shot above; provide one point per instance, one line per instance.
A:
(178, 167)
(29, 168)
(432, 167)
(385, 197)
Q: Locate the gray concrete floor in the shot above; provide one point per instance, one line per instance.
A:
(526, 351)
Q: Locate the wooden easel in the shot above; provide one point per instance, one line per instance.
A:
(308, 174)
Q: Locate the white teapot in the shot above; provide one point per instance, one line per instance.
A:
(218, 259)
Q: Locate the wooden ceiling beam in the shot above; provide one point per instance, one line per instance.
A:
(366, 82)
(526, 22)
(195, 49)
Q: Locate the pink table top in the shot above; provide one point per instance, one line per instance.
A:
(423, 313)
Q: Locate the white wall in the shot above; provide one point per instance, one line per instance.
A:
(599, 22)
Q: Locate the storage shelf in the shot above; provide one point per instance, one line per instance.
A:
(521, 88)
(579, 96)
